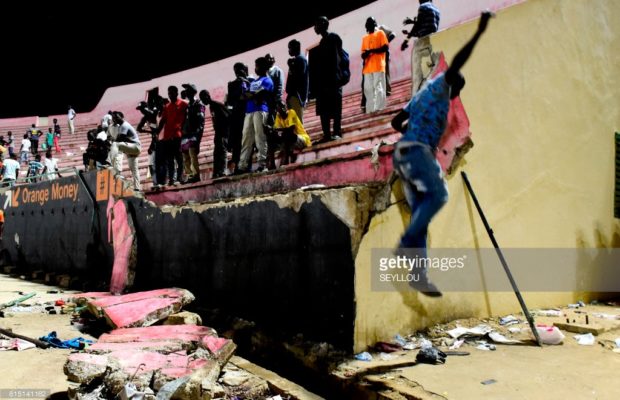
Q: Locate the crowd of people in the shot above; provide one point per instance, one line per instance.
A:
(261, 114)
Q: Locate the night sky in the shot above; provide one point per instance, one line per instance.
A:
(63, 54)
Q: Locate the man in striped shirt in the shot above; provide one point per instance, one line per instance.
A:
(425, 24)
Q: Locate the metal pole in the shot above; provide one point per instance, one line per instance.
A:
(529, 318)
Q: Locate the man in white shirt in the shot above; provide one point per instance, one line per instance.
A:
(70, 118)
(11, 170)
(106, 121)
(51, 166)
(127, 142)
(24, 150)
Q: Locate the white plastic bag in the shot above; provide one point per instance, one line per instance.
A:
(550, 334)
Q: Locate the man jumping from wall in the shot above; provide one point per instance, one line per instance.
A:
(422, 122)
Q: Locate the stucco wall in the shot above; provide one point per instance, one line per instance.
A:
(542, 97)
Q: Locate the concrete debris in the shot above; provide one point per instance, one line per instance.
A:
(183, 318)
(151, 357)
(135, 309)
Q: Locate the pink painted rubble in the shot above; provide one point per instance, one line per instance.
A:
(135, 309)
(154, 354)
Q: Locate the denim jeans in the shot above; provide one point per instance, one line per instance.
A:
(425, 190)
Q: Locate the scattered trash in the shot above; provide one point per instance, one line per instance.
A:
(576, 305)
(15, 344)
(550, 334)
(606, 316)
(477, 331)
(386, 356)
(278, 397)
(431, 355)
(75, 343)
(457, 344)
(617, 341)
(400, 340)
(365, 356)
(24, 309)
(585, 339)
(499, 338)
(384, 347)
(581, 303)
(548, 313)
(425, 343)
(514, 329)
(130, 392)
(482, 345)
(509, 320)
(59, 303)
(489, 382)
(18, 300)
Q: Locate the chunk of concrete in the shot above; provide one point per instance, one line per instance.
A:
(183, 318)
(83, 368)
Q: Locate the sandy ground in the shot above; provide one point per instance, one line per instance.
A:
(34, 368)
(566, 371)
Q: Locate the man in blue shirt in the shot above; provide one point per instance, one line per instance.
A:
(256, 114)
(422, 122)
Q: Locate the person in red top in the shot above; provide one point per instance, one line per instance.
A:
(169, 145)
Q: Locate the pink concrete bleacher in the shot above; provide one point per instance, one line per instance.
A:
(360, 132)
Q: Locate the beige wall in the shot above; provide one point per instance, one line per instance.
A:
(542, 96)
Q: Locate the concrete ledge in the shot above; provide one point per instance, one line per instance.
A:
(278, 384)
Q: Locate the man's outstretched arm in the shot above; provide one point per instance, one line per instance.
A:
(463, 55)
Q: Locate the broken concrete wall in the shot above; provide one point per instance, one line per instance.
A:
(285, 261)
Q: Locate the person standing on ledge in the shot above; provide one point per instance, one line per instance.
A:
(422, 122)
(71, 119)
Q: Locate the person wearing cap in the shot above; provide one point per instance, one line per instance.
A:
(127, 142)
(192, 133)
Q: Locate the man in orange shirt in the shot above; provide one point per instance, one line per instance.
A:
(374, 48)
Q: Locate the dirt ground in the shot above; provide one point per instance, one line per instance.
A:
(566, 371)
(34, 368)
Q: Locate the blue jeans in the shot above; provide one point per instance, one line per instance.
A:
(425, 190)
